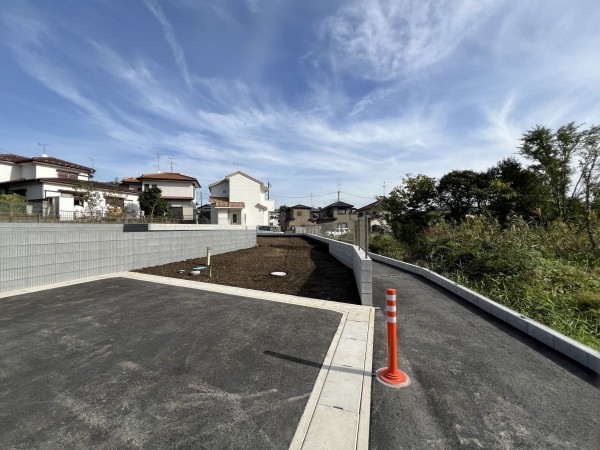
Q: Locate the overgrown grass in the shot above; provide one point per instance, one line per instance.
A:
(547, 274)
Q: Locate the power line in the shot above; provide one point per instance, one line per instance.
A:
(359, 196)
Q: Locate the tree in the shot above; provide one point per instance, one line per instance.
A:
(12, 204)
(412, 206)
(523, 192)
(589, 166)
(89, 197)
(459, 191)
(152, 203)
(553, 153)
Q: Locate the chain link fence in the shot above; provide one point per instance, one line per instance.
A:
(355, 232)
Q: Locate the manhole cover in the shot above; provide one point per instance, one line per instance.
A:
(278, 274)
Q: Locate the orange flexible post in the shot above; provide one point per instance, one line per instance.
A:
(391, 375)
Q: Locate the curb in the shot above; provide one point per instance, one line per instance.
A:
(572, 349)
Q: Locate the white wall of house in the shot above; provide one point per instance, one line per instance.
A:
(173, 188)
(9, 171)
(220, 190)
(243, 189)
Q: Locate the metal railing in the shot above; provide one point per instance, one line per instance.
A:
(357, 231)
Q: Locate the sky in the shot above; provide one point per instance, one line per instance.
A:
(315, 97)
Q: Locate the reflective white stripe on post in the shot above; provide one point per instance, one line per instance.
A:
(391, 319)
(390, 308)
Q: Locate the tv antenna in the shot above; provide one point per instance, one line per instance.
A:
(157, 155)
(92, 160)
(384, 188)
(44, 147)
(171, 162)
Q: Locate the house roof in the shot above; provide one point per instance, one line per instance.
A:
(375, 204)
(239, 172)
(300, 207)
(341, 204)
(97, 185)
(17, 159)
(165, 176)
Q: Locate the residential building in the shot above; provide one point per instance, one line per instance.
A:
(337, 215)
(296, 216)
(53, 186)
(177, 189)
(239, 199)
(377, 213)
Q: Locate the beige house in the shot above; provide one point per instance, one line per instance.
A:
(51, 187)
(296, 216)
(177, 189)
(239, 199)
(337, 215)
(377, 213)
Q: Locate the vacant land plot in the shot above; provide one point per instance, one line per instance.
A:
(310, 270)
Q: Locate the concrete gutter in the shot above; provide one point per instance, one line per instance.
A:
(559, 342)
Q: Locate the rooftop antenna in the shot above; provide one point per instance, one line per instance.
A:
(44, 151)
(157, 161)
(339, 186)
(237, 166)
(92, 160)
(311, 199)
(384, 189)
(171, 162)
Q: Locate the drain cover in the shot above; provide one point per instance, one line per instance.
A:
(278, 274)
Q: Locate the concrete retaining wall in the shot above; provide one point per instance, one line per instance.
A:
(356, 259)
(565, 345)
(37, 254)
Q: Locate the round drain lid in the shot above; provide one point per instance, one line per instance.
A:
(278, 274)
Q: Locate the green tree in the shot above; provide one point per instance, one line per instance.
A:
(11, 204)
(152, 203)
(553, 154)
(459, 191)
(524, 192)
(412, 206)
(589, 166)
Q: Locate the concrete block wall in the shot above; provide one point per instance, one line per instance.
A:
(353, 257)
(37, 254)
(561, 343)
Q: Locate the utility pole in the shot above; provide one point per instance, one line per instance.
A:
(311, 199)
(339, 186)
(268, 190)
(92, 159)
(171, 161)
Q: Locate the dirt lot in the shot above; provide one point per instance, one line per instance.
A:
(310, 270)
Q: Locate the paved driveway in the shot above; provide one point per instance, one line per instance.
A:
(127, 363)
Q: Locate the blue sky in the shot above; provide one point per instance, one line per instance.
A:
(311, 96)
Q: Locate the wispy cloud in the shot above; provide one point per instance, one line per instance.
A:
(383, 40)
(178, 53)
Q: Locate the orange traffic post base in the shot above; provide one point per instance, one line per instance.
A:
(391, 375)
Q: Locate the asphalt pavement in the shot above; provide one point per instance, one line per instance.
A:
(475, 381)
(124, 363)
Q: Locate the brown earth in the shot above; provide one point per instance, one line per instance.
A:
(310, 270)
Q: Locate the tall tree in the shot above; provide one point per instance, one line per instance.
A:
(553, 154)
(589, 166)
(412, 206)
(459, 191)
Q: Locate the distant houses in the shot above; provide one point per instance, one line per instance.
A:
(239, 199)
(55, 187)
(177, 189)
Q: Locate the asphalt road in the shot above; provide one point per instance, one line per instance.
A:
(476, 382)
(121, 363)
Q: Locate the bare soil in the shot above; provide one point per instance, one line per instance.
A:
(310, 270)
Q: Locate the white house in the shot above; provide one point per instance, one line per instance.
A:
(239, 199)
(177, 189)
(51, 187)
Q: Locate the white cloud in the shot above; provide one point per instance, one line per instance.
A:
(178, 53)
(384, 40)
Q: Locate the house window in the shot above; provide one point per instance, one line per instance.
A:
(146, 187)
(63, 174)
(224, 191)
(298, 213)
(341, 210)
(155, 185)
(234, 218)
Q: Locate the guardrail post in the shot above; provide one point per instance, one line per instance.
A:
(391, 376)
